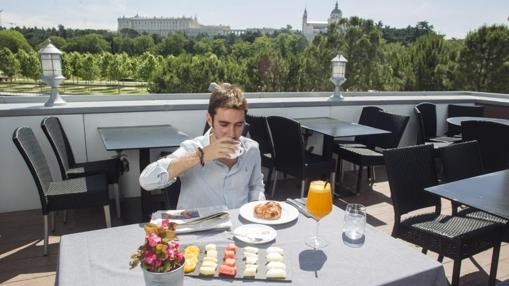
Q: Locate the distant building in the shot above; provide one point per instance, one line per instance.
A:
(164, 26)
(311, 28)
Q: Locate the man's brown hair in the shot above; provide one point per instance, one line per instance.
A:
(227, 96)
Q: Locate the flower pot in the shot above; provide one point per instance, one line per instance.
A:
(171, 278)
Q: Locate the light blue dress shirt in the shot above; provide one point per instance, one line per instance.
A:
(215, 183)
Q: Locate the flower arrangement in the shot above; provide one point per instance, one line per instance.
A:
(160, 252)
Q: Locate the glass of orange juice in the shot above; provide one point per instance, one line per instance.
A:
(319, 204)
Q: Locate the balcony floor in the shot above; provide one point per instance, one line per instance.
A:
(22, 262)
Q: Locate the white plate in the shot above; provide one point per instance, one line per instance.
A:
(255, 233)
(288, 214)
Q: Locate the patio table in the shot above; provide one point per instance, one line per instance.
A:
(457, 120)
(489, 192)
(334, 129)
(142, 138)
(101, 257)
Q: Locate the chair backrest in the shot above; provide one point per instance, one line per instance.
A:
(288, 143)
(27, 144)
(59, 143)
(394, 123)
(410, 170)
(369, 115)
(455, 110)
(493, 140)
(427, 119)
(461, 160)
(260, 132)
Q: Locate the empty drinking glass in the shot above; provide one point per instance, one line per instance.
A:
(355, 224)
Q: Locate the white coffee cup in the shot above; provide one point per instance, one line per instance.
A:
(239, 150)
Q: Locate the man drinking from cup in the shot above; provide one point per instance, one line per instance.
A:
(219, 168)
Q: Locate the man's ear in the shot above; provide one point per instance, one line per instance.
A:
(209, 119)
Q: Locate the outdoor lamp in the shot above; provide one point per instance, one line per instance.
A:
(51, 60)
(338, 75)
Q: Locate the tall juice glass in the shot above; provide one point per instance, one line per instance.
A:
(319, 204)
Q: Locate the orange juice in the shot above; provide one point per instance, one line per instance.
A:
(319, 201)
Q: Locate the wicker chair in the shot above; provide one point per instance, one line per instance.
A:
(461, 161)
(368, 157)
(69, 169)
(427, 118)
(410, 170)
(291, 157)
(493, 140)
(260, 132)
(369, 115)
(456, 110)
(75, 193)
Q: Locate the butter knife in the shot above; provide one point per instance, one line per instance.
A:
(301, 208)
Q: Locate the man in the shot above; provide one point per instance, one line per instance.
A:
(207, 165)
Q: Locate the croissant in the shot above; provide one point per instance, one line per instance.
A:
(268, 210)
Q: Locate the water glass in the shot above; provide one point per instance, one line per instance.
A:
(355, 223)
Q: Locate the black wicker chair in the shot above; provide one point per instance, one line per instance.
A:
(493, 140)
(368, 157)
(427, 119)
(410, 170)
(291, 156)
(75, 193)
(69, 168)
(454, 110)
(260, 132)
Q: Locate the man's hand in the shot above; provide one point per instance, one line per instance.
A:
(220, 149)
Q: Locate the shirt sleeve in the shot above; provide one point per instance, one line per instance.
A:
(155, 175)
(256, 185)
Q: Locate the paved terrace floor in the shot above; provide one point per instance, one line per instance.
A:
(22, 262)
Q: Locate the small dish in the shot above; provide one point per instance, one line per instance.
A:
(255, 233)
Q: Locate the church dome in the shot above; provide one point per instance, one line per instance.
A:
(336, 14)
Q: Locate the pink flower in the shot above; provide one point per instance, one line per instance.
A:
(150, 258)
(157, 262)
(153, 239)
(180, 256)
(165, 223)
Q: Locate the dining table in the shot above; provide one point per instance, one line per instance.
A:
(457, 120)
(141, 138)
(101, 257)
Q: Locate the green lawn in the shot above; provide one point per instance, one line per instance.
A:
(96, 87)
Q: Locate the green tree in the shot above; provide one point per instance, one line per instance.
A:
(14, 41)
(142, 44)
(91, 43)
(175, 44)
(8, 63)
(30, 65)
(89, 67)
(484, 60)
(430, 60)
(148, 66)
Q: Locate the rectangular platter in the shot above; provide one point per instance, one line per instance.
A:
(240, 265)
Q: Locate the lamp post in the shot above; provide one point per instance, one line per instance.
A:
(51, 60)
(338, 75)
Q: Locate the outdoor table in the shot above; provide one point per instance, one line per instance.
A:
(489, 192)
(457, 120)
(142, 138)
(334, 129)
(101, 257)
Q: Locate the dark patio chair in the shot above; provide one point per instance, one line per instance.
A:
(410, 170)
(260, 132)
(368, 117)
(455, 110)
(88, 191)
(493, 140)
(292, 158)
(69, 169)
(427, 119)
(368, 157)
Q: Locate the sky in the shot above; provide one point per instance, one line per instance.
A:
(452, 18)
